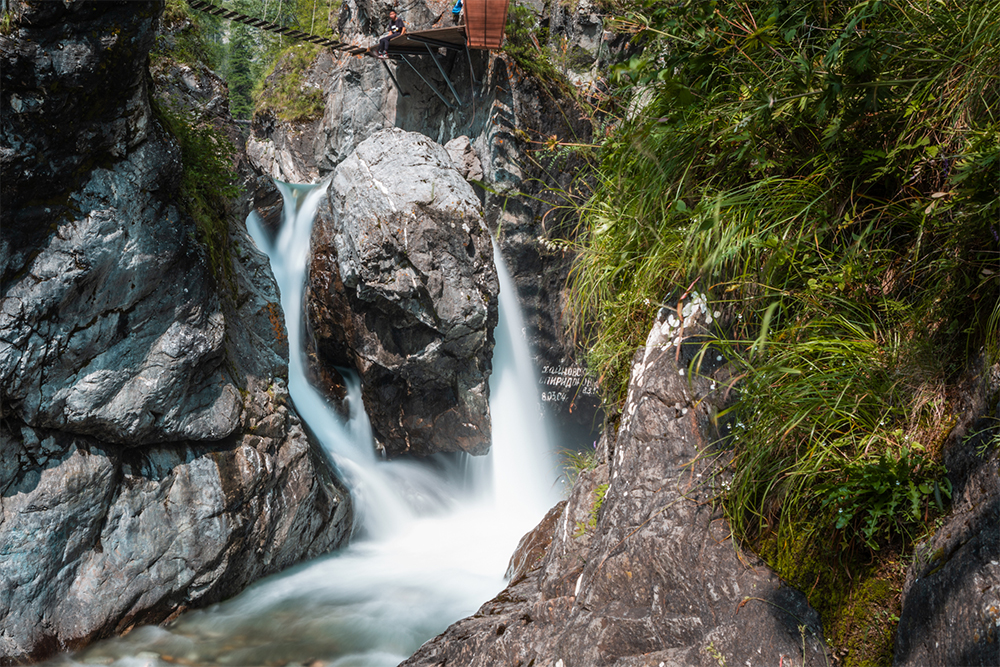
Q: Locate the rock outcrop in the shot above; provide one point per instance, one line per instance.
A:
(638, 567)
(149, 460)
(951, 598)
(402, 288)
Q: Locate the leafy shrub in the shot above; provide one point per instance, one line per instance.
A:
(884, 495)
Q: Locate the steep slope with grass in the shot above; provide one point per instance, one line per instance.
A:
(828, 175)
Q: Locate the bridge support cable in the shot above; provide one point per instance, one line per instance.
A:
(472, 71)
(447, 80)
(222, 12)
(392, 77)
(429, 84)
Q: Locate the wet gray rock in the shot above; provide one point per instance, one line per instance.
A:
(951, 598)
(149, 460)
(402, 288)
(647, 576)
(98, 539)
(113, 329)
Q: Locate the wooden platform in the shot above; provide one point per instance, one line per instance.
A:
(485, 21)
(482, 28)
(413, 41)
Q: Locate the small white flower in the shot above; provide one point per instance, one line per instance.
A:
(717, 314)
(681, 371)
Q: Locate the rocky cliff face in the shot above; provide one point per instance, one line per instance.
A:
(149, 460)
(637, 567)
(498, 113)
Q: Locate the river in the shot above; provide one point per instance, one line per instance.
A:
(432, 538)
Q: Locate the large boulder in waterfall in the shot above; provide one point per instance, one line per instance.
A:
(638, 567)
(402, 288)
(149, 458)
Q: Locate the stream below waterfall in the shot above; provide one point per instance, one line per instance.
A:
(432, 538)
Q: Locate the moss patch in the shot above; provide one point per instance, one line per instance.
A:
(858, 601)
(208, 182)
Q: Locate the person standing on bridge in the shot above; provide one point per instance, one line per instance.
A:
(396, 28)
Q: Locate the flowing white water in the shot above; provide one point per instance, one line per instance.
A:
(435, 539)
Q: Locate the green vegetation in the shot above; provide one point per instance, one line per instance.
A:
(858, 600)
(581, 528)
(524, 40)
(242, 55)
(208, 181)
(577, 462)
(826, 173)
(188, 37)
(253, 53)
(286, 93)
(6, 21)
(526, 43)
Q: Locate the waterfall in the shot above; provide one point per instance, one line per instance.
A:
(434, 537)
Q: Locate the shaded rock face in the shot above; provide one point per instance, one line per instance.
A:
(648, 575)
(126, 351)
(148, 459)
(951, 598)
(72, 54)
(402, 288)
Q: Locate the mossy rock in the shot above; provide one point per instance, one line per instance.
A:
(858, 602)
